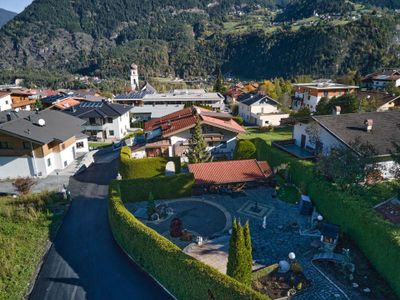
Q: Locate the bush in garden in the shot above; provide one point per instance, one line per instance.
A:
(24, 184)
(245, 149)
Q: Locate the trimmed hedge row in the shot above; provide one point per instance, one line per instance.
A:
(162, 187)
(143, 168)
(184, 276)
(377, 238)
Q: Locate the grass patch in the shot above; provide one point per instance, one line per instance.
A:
(98, 145)
(26, 223)
(278, 134)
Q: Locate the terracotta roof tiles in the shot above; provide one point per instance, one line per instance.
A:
(234, 171)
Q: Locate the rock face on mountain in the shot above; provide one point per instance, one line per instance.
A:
(189, 38)
(6, 16)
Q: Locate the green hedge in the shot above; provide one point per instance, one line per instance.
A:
(162, 187)
(377, 238)
(184, 276)
(143, 168)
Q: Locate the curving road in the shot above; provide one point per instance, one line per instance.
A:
(84, 261)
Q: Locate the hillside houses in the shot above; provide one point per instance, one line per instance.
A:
(382, 79)
(309, 94)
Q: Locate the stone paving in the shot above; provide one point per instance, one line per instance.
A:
(270, 245)
(274, 243)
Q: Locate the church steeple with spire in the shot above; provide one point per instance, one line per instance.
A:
(134, 77)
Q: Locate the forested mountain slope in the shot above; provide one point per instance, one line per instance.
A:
(190, 38)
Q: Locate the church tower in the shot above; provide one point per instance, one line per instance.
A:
(134, 77)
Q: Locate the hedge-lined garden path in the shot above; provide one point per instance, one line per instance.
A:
(84, 261)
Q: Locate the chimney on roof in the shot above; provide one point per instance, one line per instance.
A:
(368, 124)
(336, 110)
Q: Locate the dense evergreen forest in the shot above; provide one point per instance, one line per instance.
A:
(189, 38)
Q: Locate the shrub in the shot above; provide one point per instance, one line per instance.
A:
(245, 149)
(142, 168)
(238, 120)
(24, 185)
(166, 262)
(162, 187)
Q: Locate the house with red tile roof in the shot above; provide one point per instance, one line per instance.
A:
(230, 172)
(170, 135)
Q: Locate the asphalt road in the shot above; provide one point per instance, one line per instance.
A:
(84, 261)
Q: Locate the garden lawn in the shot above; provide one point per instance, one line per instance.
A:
(286, 192)
(279, 133)
(98, 145)
(26, 223)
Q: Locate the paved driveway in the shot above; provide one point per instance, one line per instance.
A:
(84, 261)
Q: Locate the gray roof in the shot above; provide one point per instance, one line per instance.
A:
(101, 109)
(58, 127)
(157, 111)
(350, 127)
(53, 99)
(148, 89)
(258, 99)
(6, 115)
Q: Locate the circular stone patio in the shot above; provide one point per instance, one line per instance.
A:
(201, 217)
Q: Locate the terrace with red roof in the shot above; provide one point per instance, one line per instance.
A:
(186, 119)
(230, 172)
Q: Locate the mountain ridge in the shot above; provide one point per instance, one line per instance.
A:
(6, 16)
(189, 38)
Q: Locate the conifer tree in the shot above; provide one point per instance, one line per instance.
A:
(219, 82)
(248, 260)
(198, 152)
(238, 260)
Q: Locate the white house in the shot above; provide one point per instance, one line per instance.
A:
(5, 101)
(38, 143)
(260, 110)
(378, 129)
(170, 135)
(103, 120)
(309, 94)
(382, 79)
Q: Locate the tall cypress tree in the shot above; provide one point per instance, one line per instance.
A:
(248, 259)
(198, 147)
(238, 260)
